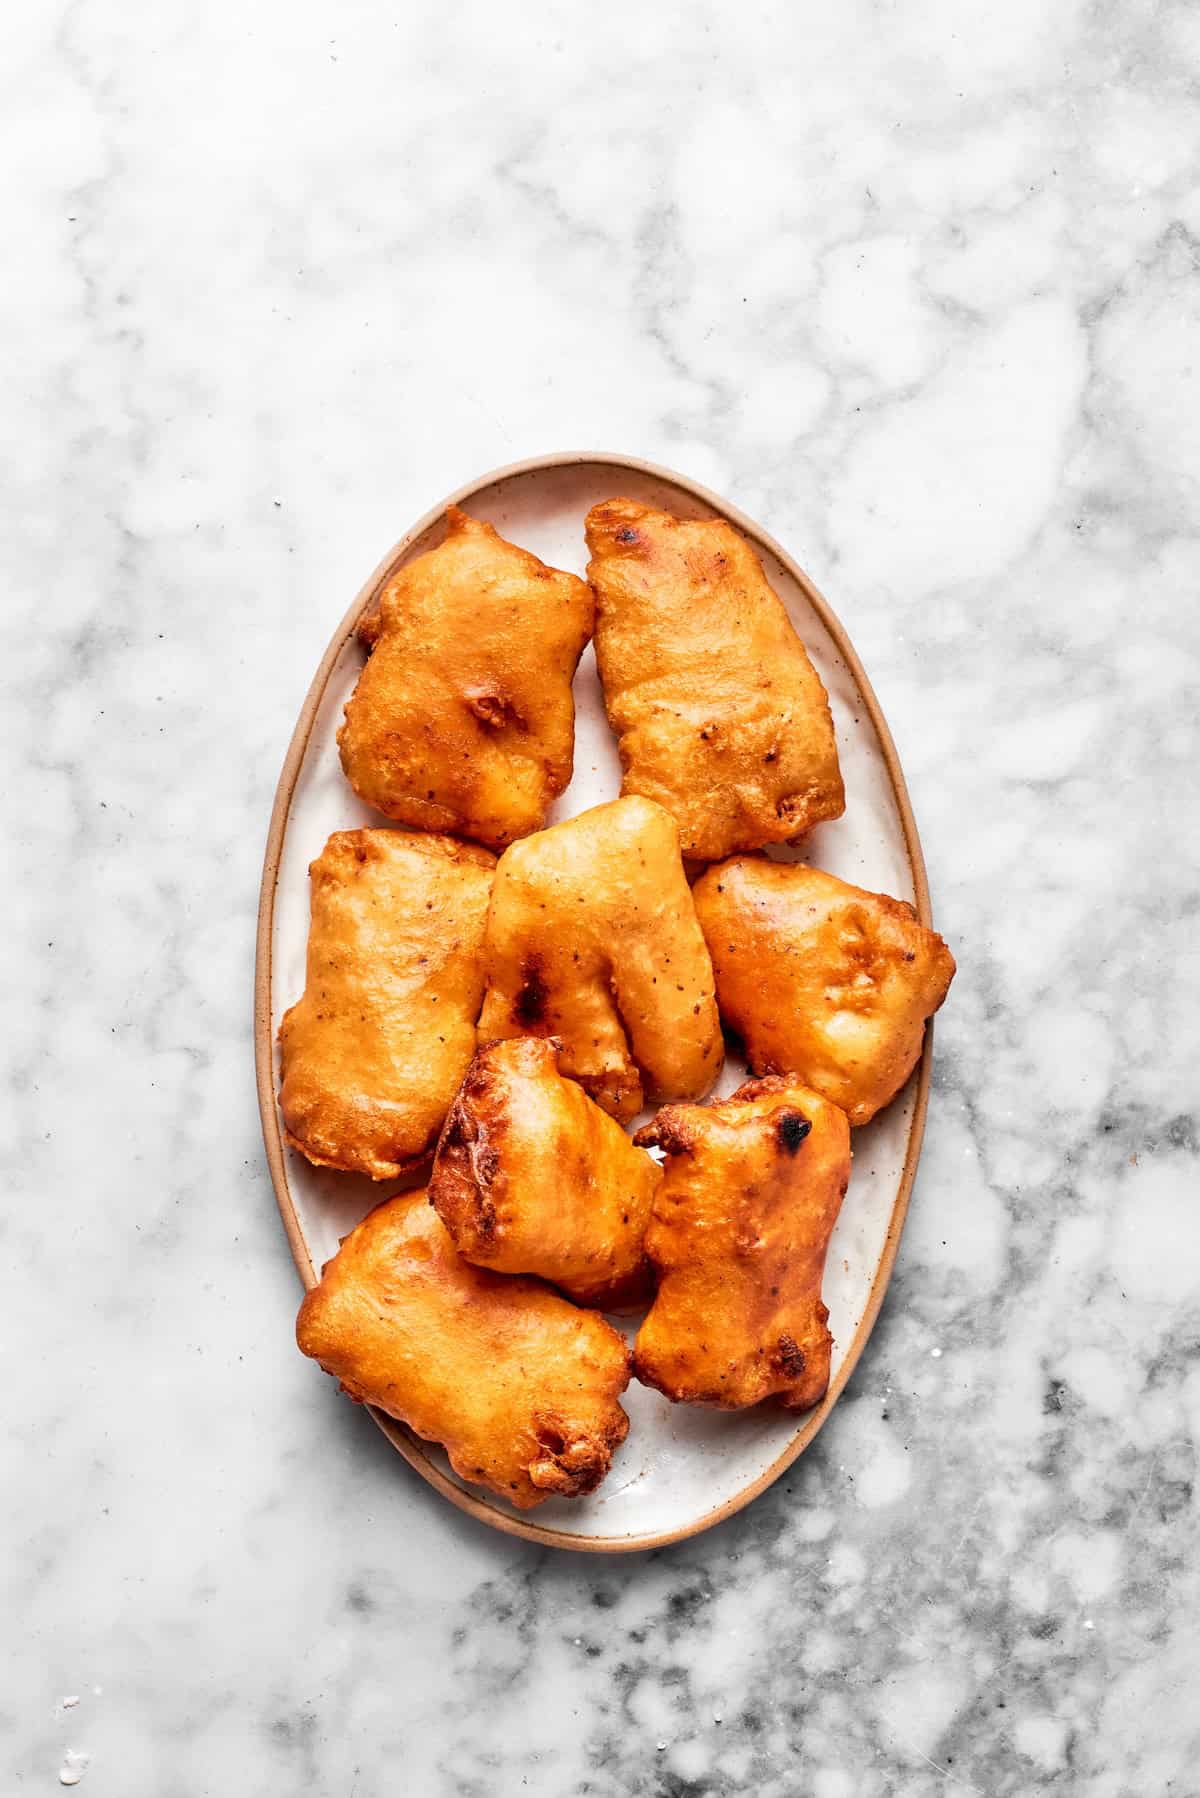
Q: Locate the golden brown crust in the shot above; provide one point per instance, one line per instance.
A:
(519, 1386)
(532, 1178)
(739, 1233)
(720, 715)
(592, 938)
(463, 719)
(821, 979)
(372, 1055)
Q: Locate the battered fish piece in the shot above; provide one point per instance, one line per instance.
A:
(720, 714)
(463, 719)
(820, 979)
(517, 1385)
(373, 1053)
(592, 938)
(532, 1178)
(739, 1232)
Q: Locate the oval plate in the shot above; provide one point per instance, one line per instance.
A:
(682, 1468)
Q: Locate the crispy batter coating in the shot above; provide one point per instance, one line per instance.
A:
(738, 1234)
(592, 937)
(721, 716)
(463, 719)
(532, 1178)
(822, 980)
(373, 1053)
(519, 1386)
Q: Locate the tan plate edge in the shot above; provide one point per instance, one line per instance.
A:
(410, 1445)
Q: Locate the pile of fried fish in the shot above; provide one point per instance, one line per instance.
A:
(492, 1001)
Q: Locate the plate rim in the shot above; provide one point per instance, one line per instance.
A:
(410, 1445)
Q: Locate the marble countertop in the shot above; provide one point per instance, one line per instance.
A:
(914, 285)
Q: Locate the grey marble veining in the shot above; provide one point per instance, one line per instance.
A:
(916, 285)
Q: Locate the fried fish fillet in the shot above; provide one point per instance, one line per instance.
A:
(532, 1178)
(463, 719)
(592, 938)
(518, 1386)
(821, 979)
(373, 1053)
(739, 1232)
(720, 715)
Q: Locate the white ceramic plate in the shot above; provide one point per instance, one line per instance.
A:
(682, 1468)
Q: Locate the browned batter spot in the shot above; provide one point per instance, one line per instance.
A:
(792, 1128)
(531, 1000)
(491, 709)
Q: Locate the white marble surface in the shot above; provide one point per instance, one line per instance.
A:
(915, 284)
